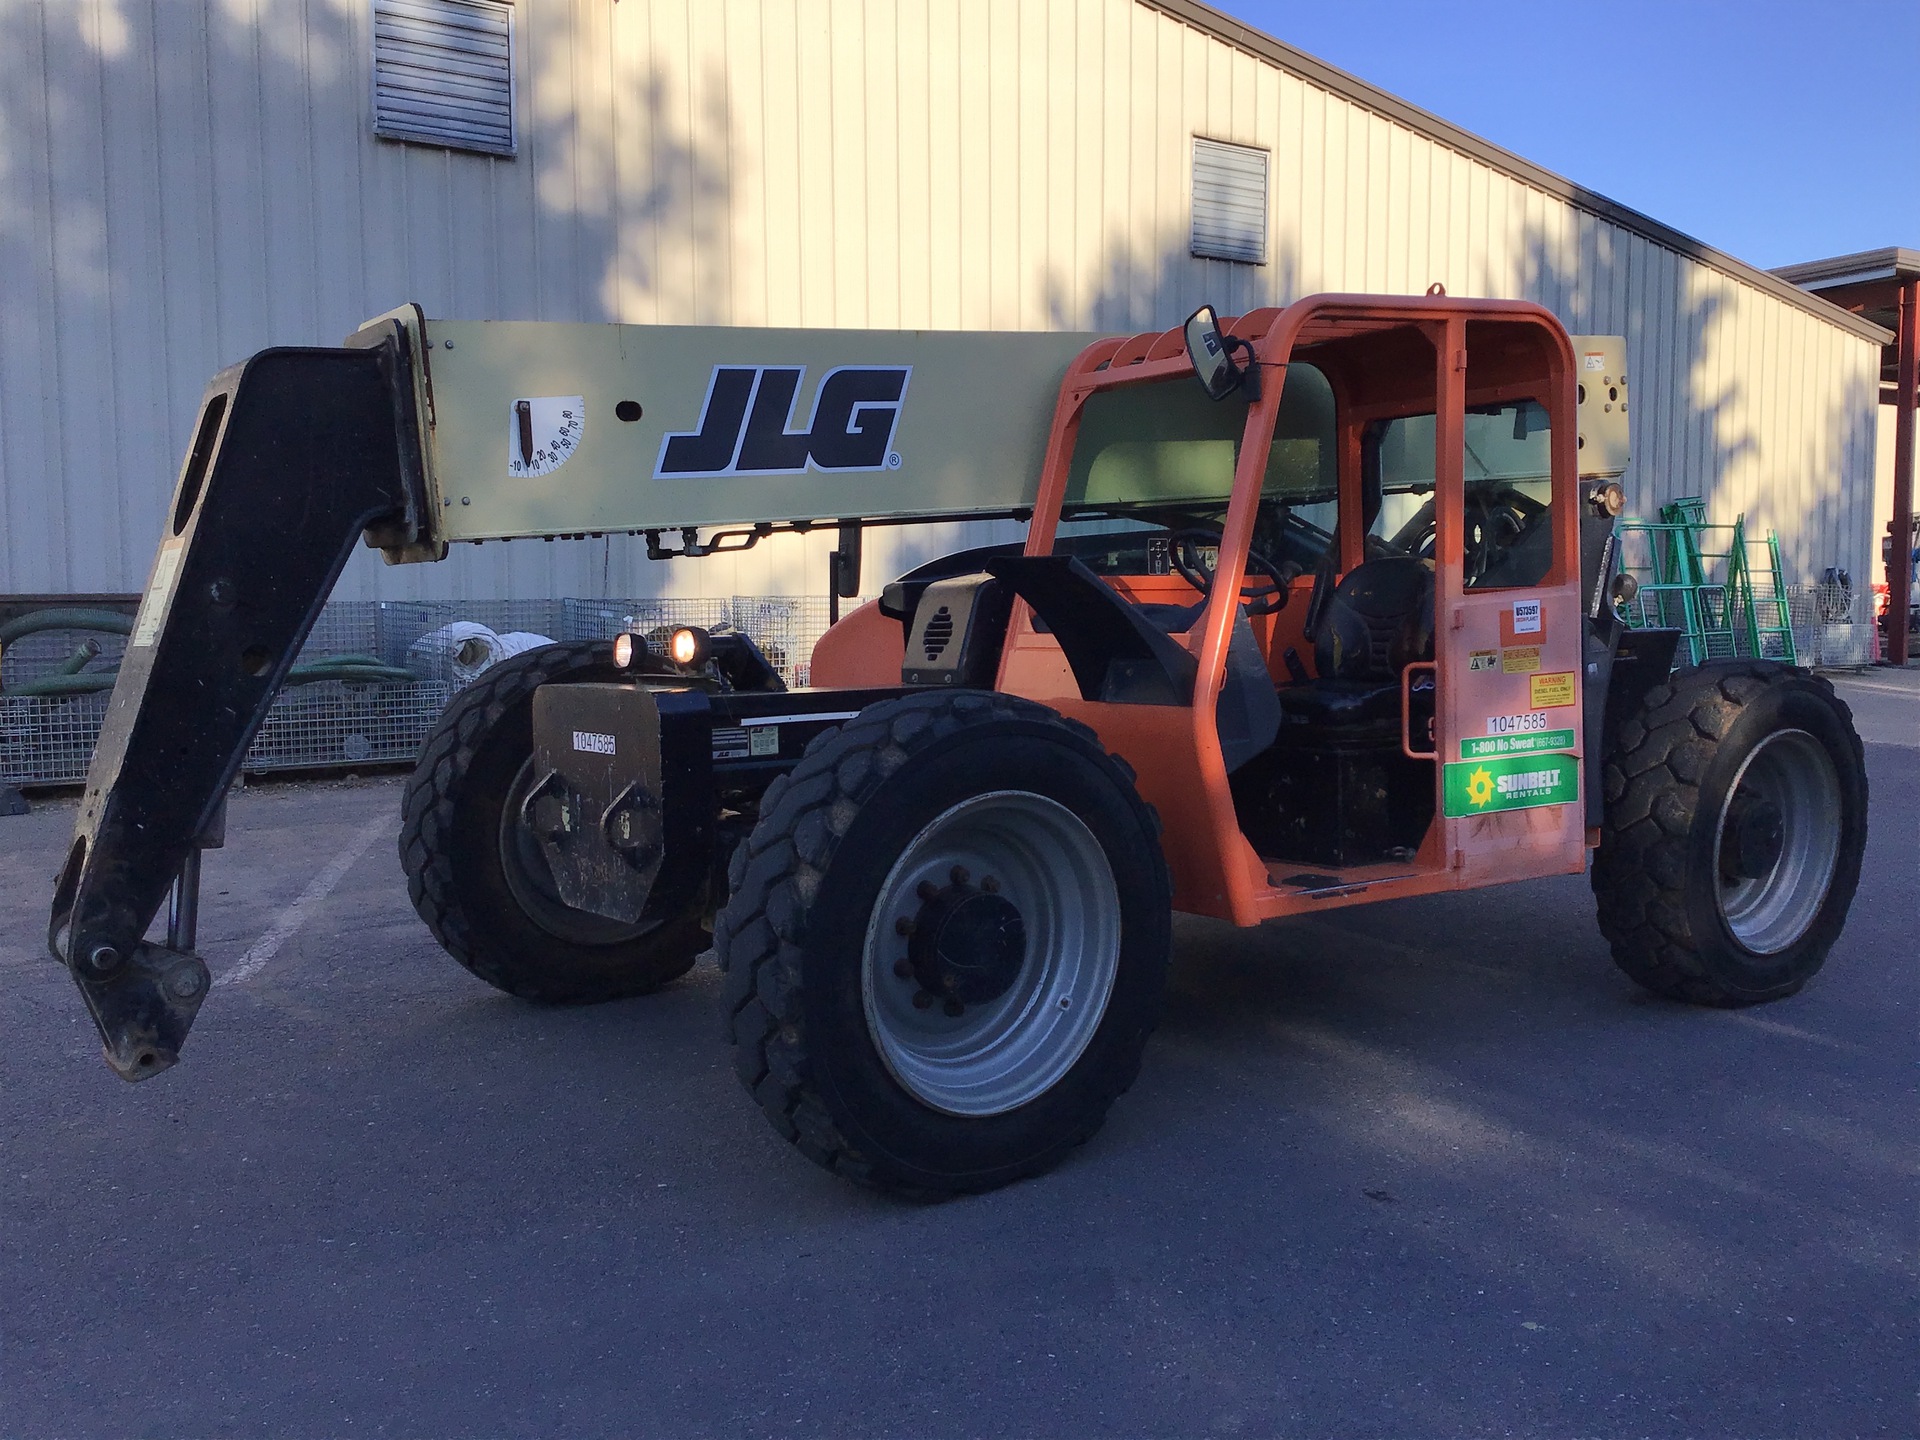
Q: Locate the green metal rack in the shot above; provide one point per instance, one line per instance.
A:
(1717, 584)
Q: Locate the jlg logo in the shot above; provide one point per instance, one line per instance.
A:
(744, 424)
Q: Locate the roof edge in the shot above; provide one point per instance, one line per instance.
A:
(1262, 46)
(1892, 262)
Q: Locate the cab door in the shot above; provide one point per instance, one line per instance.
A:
(1508, 615)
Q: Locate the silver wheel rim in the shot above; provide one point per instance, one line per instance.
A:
(1003, 1052)
(1790, 771)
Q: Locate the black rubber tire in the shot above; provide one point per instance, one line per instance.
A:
(1667, 777)
(790, 939)
(451, 852)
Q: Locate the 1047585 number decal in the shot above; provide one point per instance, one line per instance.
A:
(1516, 724)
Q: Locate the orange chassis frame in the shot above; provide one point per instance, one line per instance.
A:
(1519, 351)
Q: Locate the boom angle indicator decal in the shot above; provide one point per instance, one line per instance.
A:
(543, 431)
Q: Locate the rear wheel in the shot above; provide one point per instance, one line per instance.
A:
(1736, 817)
(476, 873)
(946, 944)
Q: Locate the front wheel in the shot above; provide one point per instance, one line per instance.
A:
(1736, 817)
(946, 943)
(475, 871)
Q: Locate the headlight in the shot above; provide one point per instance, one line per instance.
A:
(623, 650)
(1621, 594)
(687, 646)
(1609, 499)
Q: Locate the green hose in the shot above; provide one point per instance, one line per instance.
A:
(86, 650)
(69, 679)
(73, 618)
(90, 683)
(93, 682)
(357, 668)
(72, 679)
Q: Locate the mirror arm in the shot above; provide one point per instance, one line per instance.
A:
(1250, 373)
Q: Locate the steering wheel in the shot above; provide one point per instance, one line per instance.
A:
(1494, 521)
(1323, 572)
(1183, 552)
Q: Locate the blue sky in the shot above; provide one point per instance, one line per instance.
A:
(1775, 131)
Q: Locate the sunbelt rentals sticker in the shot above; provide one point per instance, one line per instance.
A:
(1510, 782)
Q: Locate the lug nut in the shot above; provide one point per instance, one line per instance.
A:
(903, 926)
(903, 969)
(960, 874)
(926, 890)
(954, 1009)
(922, 1000)
(989, 884)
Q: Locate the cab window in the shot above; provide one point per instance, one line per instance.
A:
(1509, 492)
(1161, 456)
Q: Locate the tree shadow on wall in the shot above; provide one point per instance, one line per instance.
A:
(1695, 423)
(180, 188)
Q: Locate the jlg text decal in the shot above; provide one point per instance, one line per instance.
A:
(744, 423)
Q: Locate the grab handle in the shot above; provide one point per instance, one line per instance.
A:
(1406, 709)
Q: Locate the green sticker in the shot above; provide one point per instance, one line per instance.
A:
(1512, 782)
(1534, 744)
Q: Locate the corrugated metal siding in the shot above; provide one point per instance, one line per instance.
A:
(175, 195)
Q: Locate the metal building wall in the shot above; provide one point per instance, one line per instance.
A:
(182, 184)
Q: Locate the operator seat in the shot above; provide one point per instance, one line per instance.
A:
(1378, 621)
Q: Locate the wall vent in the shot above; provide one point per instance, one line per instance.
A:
(443, 73)
(1229, 202)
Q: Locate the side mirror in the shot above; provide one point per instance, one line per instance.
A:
(1212, 355)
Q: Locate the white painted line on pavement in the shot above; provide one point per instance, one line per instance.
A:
(289, 919)
(1908, 692)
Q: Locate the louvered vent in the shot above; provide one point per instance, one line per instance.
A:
(1229, 202)
(443, 73)
(938, 632)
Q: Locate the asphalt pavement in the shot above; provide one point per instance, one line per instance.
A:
(1426, 1168)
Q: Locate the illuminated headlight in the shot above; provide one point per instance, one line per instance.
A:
(687, 646)
(623, 650)
(1609, 499)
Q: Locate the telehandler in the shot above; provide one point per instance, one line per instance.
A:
(1316, 607)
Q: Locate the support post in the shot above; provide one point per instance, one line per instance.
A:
(1900, 525)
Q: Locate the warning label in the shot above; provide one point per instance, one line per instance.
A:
(1552, 689)
(1520, 659)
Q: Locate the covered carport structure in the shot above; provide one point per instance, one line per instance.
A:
(1884, 286)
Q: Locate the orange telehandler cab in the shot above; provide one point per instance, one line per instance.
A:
(1317, 606)
(1341, 606)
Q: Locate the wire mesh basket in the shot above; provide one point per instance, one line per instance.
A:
(49, 740)
(1833, 625)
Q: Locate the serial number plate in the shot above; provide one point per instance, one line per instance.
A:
(592, 742)
(1516, 724)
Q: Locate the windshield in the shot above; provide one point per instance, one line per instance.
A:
(1166, 444)
(1161, 456)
